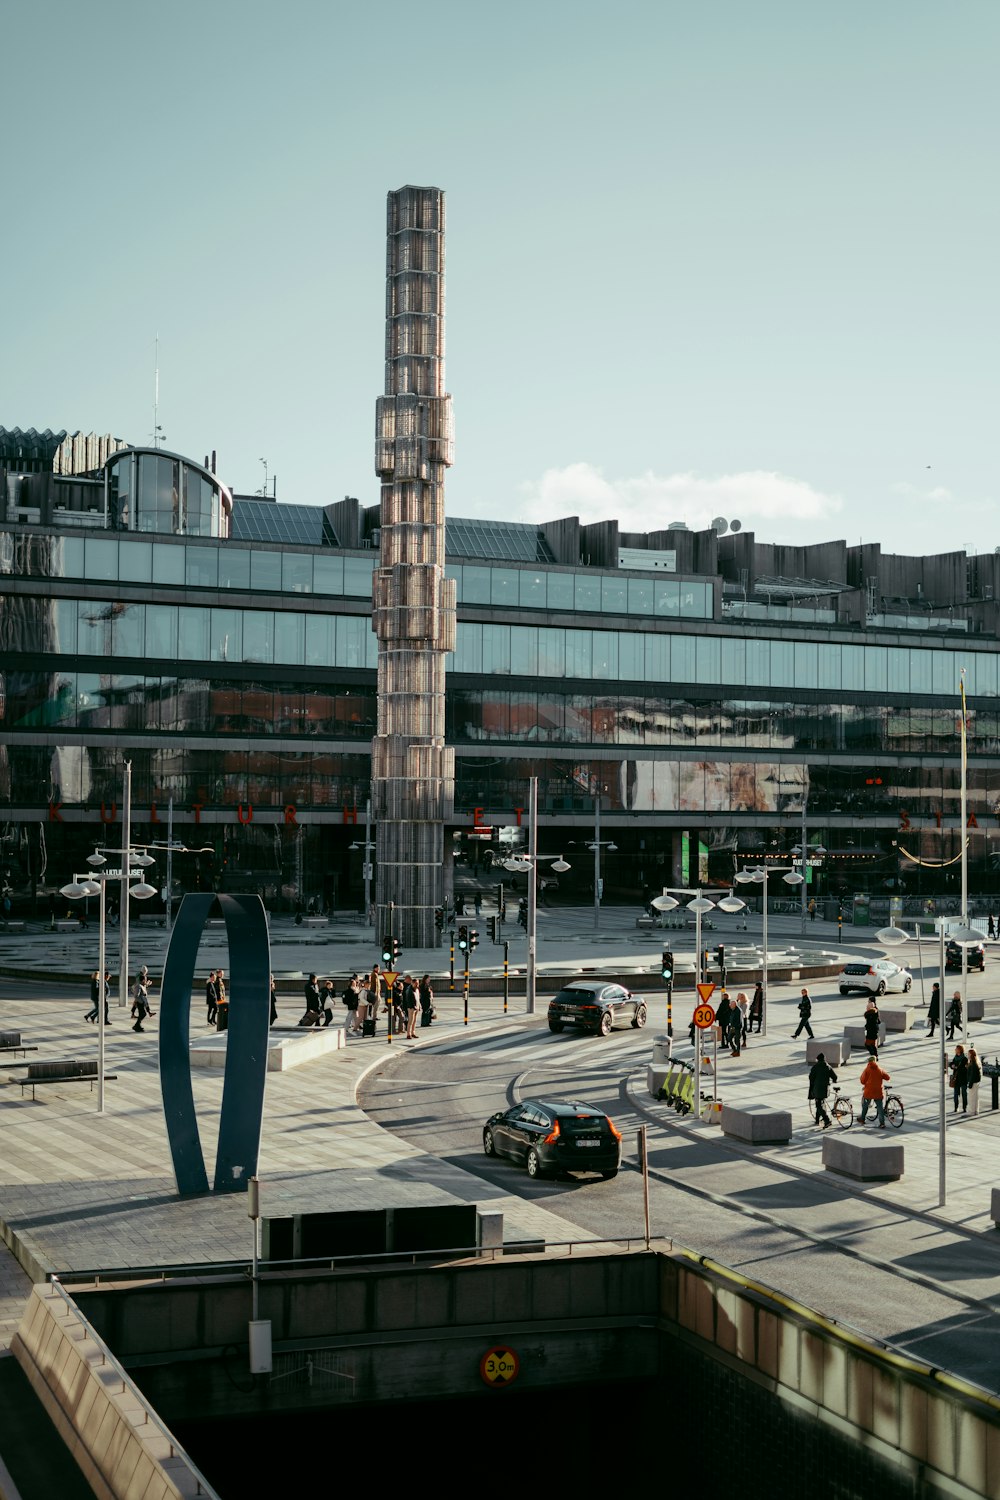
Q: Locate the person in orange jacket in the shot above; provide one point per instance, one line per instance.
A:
(873, 1079)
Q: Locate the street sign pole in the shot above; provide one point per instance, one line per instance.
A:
(644, 1163)
(704, 1016)
(506, 974)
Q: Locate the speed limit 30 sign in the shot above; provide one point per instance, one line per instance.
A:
(704, 1016)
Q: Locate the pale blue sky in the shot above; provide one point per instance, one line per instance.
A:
(690, 246)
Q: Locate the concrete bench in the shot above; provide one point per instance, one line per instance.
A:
(757, 1123)
(14, 926)
(863, 1158)
(899, 1019)
(856, 1035)
(995, 1206)
(10, 1041)
(835, 1049)
(67, 924)
(644, 922)
(656, 1075)
(976, 1010)
(316, 921)
(64, 1071)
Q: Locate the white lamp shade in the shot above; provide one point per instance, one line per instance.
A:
(519, 866)
(664, 903)
(74, 891)
(142, 891)
(758, 876)
(965, 937)
(731, 903)
(560, 865)
(793, 878)
(891, 937)
(96, 860)
(700, 903)
(91, 888)
(141, 861)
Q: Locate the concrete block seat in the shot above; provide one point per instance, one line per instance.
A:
(995, 1206)
(898, 1018)
(854, 1036)
(975, 1009)
(656, 1074)
(757, 1123)
(836, 1049)
(864, 1158)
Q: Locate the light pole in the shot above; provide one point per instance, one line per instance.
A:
(94, 883)
(528, 865)
(366, 869)
(597, 845)
(758, 875)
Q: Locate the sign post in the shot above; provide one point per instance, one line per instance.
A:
(704, 1016)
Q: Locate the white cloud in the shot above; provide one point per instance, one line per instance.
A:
(649, 502)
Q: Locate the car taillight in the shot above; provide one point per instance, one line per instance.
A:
(616, 1133)
(553, 1135)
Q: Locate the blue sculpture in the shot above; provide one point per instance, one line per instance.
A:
(246, 1044)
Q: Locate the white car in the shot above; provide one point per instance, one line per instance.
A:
(875, 978)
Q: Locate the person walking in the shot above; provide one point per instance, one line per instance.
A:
(805, 1011)
(954, 1015)
(873, 1023)
(821, 1075)
(958, 1079)
(757, 1007)
(328, 999)
(351, 998)
(95, 992)
(735, 1021)
(991, 931)
(426, 994)
(812, 910)
(743, 1006)
(314, 1003)
(975, 1079)
(477, 902)
(410, 1007)
(222, 1009)
(934, 1008)
(211, 998)
(397, 1019)
(140, 999)
(873, 1081)
(274, 1002)
(722, 1017)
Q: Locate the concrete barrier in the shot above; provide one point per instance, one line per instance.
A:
(757, 1123)
(835, 1049)
(976, 1010)
(656, 1074)
(898, 1018)
(865, 1160)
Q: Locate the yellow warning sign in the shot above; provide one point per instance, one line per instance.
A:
(390, 977)
(705, 992)
(499, 1367)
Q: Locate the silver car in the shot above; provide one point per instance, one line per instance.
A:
(875, 977)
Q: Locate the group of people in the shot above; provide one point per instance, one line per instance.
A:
(101, 989)
(952, 1017)
(405, 1000)
(737, 1019)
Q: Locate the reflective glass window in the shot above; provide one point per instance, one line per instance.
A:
(531, 589)
(227, 635)
(898, 669)
(876, 669)
(265, 570)
(682, 659)
(192, 633)
(985, 674)
(657, 658)
(734, 661)
(587, 591)
(829, 667)
(352, 631)
(921, 674)
(135, 562)
(129, 630)
(258, 635)
(161, 631)
(468, 649)
(234, 568)
(667, 597)
(328, 574)
(503, 586)
(631, 656)
(579, 653)
(358, 577)
(102, 557)
(640, 596)
(524, 650)
(852, 668)
(551, 652)
(296, 573)
(321, 640)
(168, 563)
(758, 662)
(708, 659)
(560, 591)
(64, 624)
(290, 636)
(782, 663)
(614, 593)
(944, 673)
(94, 628)
(201, 567)
(70, 552)
(605, 654)
(496, 649)
(806, 664)
(475, 584)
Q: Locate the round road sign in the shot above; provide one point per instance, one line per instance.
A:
(499, 1367)
(704, 1016)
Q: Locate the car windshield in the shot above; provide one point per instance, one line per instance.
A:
(580, 1124)
(575, 997)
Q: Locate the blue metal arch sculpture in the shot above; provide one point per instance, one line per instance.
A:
(246, 1046)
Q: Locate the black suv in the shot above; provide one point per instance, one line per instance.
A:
(975, 957)
(594, 1006)
(555, 1135)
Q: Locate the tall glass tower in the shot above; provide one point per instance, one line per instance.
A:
(413, 773)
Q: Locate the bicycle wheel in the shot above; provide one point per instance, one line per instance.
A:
(843, 1112)
(894, 1110)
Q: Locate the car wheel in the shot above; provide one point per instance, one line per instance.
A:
(489, 1145)
(639, 1019)
(534, 1163)
(907, 986)
(555, 1026)
(605, 1027)
(880, 989)
(608, 1175)
(843, 991)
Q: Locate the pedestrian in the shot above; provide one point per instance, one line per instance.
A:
(222, 1009)
(958, 1079)
(397, 1018)
(211, 998)
(812, 910)
(975, 1079)
(722, 1017)
(873, 1023)
(328, 998)
(351, 998)
(140, 1000)
(314, 1003)
(805, 1011)
(52, 912)
(743, 1006)
(735, 1030)
(934, 1008)
(954, 1015)
(95, 992)
(426, 994)
(873, 1081)
(991, 927)
(477, 902)
(757, 1007)
(459, 904)
(821, 1075)
(410, 1007)
(274, 1002)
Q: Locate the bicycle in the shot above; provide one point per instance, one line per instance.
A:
(842, 1110)
(893, 1111)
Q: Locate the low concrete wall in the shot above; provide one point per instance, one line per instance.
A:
(122, 1450)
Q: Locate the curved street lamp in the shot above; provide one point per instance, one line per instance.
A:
(758, 875)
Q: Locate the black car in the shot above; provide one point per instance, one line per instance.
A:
(975, 957)
(555, 1135)
(594, 1006)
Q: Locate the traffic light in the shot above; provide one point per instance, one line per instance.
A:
(501, 903)
(397, 949)
(473, 938)
(522, 912)
(720, 955)
(667, 965)
(439, 918)
(494, 929)
(463, 939)
(387, 949)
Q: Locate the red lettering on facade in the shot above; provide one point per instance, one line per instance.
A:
(290, 814)
(972, 823)
(350, 814)
(107, 817)
(904, 820)
(55, 816)
(518, 811)
(477, 818)
(196, 808)
(246, 817)
(937, 816)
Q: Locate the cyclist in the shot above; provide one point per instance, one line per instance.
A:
(821, 1075)
(873, 1079)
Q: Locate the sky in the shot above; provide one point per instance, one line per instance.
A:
(732, 258)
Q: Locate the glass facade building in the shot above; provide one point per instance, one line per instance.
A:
(234, 664)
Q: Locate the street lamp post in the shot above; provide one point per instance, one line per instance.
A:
(758, 875)
(528, 865)
(597, 845)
